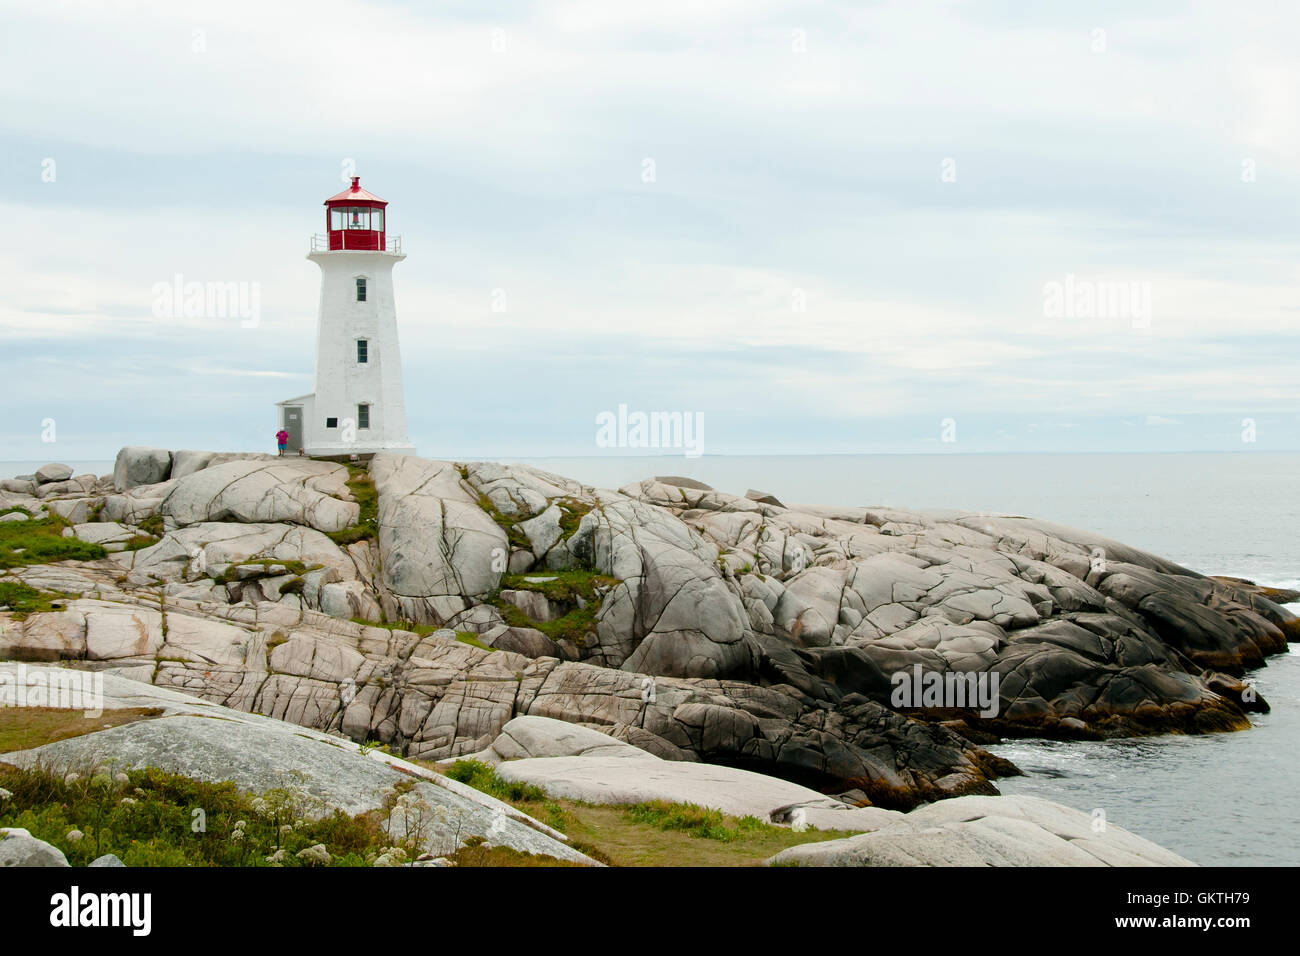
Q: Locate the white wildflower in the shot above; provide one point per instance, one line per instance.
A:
(392, 856)
(315, 855)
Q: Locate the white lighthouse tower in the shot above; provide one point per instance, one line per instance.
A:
(358, 407)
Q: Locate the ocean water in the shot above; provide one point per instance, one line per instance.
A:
(1219, 799)
(1225, 799)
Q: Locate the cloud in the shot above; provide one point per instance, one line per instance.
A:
(797, 270)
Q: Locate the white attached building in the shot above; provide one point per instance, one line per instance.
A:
(358, 407)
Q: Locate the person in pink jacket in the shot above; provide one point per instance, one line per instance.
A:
(282, 439)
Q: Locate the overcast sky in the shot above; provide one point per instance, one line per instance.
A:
(821, 227)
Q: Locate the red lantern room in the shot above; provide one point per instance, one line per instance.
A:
(355, 220)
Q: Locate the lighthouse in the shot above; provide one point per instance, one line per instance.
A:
(358, 407)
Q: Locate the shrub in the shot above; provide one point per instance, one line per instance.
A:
(147, 818)
(480, 776)
(23, 599)
(41, 541)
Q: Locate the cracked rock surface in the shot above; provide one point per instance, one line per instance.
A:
(692, 624)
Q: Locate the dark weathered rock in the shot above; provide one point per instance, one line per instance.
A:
(735, 630)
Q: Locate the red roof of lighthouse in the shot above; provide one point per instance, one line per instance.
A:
(355, 194)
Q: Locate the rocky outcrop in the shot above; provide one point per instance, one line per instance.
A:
(582, 764)
(579, 763)
(693, 624)
(987, 831)
(673, 613)
(438, 548)
(137, 465)
(209, 742)
(295, 490)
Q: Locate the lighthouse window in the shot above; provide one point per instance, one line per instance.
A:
(331, 423)
(363, 351)
(363, 416)
(358, 217)
(377, 220)
(361, 290)
(338, 219)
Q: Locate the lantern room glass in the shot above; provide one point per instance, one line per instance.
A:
(357, 218)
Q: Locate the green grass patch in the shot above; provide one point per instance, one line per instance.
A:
(571, 514)
(514, 534)
(480, 776)
(702, 823)
(23, 599)
(647, 834)
(477, 853)
(152, 525)
(363, 490)
(569, 585)
(22, 728)
(149, 819)
(470, 638)
(421, 629)
(41, 541)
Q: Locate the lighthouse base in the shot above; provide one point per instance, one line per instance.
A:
(355, 451)
(301, 419)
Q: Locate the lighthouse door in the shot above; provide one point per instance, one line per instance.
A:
(293, 425)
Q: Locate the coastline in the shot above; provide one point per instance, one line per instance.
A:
(698, 502)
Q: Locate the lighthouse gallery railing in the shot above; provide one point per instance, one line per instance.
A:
(362, 241)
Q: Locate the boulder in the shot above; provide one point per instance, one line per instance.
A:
(52, 472)
(138, 465)
(527, 641)
(525, 737)
(987, 831)
(349, 599)
(673, 613)
(187, 462)
(75, 510)
(210, 549)
(19, 486)
(296, 490)
(101, 532)
(678, 482)
(20, 848)
(108, 859)
(136, 504)
(534, 604)
(438, 548)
